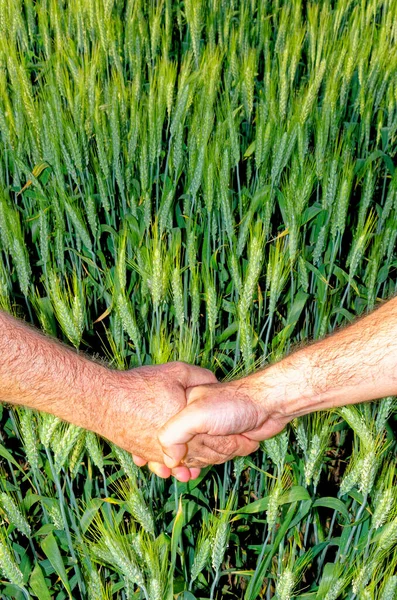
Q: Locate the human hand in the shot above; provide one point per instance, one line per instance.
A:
(223, 409)
(137, 403)
(329, 373)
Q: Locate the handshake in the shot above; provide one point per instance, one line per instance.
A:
(177, 418)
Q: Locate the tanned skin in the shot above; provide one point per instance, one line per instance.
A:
(125, 407)
(220, 421)
(356, 364)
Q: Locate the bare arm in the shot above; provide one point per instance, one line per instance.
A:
(126, 407)
(41, 373)
(356, 364)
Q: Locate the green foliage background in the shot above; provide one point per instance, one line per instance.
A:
(212, 182)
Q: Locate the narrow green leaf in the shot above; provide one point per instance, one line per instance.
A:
(92, 508)
(5, 454)
(256, 583)
(297, 307)
(176, 535)
(304, 508)
(254, 507)
(176, 532)
(330, 573)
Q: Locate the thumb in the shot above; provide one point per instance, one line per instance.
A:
(212, 410)
(180, 430)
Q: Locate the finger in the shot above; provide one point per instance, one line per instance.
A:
(245, 446)
(208, 458)
(225, 448)
(179, 430)
(140, 462)
(205, 450)
(212, 410)
(269, 429)
(182, 427)
(181, 474)
(194, 473)
(159, 469)
(208, 413)
(174, 436)
(248, 449)
(174, 459)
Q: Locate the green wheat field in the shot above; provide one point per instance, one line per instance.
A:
(212, 181)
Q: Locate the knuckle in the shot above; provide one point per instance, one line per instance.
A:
(174, 366)
(180, 365)
(180, 368)
(232, 444)
(225, 446)
(211, 375)
(248, 451)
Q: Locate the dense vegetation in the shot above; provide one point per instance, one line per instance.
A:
(211, 181)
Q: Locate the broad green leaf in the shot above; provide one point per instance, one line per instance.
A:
(297, 307)
(334, 503)
(29, 500)
(44, 529)
(109, 229)
(38, 584)
(250, 150)
(310, 213)
(50, 548)
(12, 591)
(344, 312)
(295, 494)
(229, 331)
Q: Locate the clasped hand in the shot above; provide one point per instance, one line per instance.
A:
(182, 419)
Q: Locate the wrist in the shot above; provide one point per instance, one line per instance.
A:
(285, 389)
(89, 396)
(117, 400)
(97, 397)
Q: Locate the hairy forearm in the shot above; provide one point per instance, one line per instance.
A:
(40, 373)
(356, 364)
